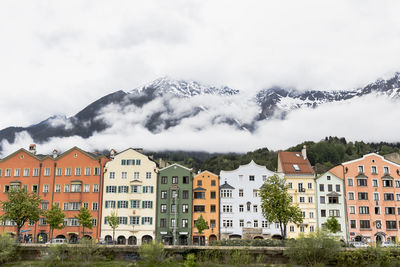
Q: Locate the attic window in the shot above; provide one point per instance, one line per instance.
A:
(298, 155)
(296, 167)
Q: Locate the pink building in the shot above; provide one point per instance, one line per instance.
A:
(372, 186)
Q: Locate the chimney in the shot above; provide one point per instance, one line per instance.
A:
(140, 150)
(112, 153)
(304, 152)
(55, 153)
(32, 149)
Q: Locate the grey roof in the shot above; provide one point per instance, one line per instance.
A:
(226, 186)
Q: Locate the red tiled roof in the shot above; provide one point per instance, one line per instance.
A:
(288, 159)
(337, 171)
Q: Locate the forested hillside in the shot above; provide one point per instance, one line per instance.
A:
(323, 155)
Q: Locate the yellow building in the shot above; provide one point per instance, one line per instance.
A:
(300, 177)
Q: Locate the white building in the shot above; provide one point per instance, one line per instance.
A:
(240, 204)
(129, 189)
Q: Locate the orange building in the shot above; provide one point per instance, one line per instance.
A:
(206, 203)
(372, 186)
(71, 180)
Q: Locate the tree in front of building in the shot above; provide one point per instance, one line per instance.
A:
(21, 207)
(113, 222)
(332, 225)
(55, 219)
(276, 204)
(201, 224)
(85, 219)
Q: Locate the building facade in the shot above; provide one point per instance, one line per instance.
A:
(71, 180)
(373, 198)
(130, 190)
(174, 205)
(206, 204)
(300, 178)
(240, 204)
(331, 201)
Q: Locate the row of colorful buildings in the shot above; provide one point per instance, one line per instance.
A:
(158, 202)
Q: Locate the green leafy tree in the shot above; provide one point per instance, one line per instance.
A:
(276, 204)
(85, 219)
(113, 222)
(201, 224)
(332, 224)
(55, 219)
(21, 207)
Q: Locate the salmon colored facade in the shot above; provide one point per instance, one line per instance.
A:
(372, 186)
(71, 180)
(206, 194)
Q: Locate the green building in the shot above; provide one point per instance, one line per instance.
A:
(174, 205)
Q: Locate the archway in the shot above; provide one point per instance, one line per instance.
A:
(146, 239)
(61, 236)
(108, 239)
(277, 237)
(235, 237)
(121, 240)
(132, 240)
(42, 238)
(258, 237)
(212, 238)
(167, 240)
(358, 238)
(73, 238)
(183, 240)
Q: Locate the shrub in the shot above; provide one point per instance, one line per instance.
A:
(190, 261)
(369, 257)
(240, 257)
(8, 248)
(151, 254)
(56, 255)
(316, 248)
(85, 251)
(249, 242)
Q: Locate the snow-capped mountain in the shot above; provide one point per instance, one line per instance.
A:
(166, 103)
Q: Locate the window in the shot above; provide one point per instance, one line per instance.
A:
(227, 223)
(124, 175)
(375, 183)
(387, 183)
(255, 223)
(96, 171)
(241, 223)
(388, 196)
(173, 223)
(184, 223)
(123, 162)
(386, 170)
(163, 208)
(213, 208)
(185, 208)
(174, 194)
(321, 188)
(291, 228)
(255, 193)
(68, 171)
(302, 200)
(241, 208)
(58, 171)
(45, 205)
(74, 206)
(350, 182)
(135, 204)
(334, 213)
(199, 195)
(377, 210)
(251, 177)
(364, 210)
(391, 225)
(338, 188)
(352, 210)
(302, 229)
(111, 175)
(360, 169)
(213, 195)
(147, 204)
(213, 183)
(300, 186)
(329, 188)
(361, 182)
(57, 188)
(390, 210)
(95, 188)
(86, 205)
(397, 182)
(312, 228)
(174, 179)
(310, 199)
(309, 185)
(226, 193)
(378, 224)
(398, 197)
(290, 185)
(73, 222)
(323, 213)
(17, 172)
(362, 196)
(77, 171)
(66, 188)
(373, 170)
(122, 204)
(110, 204)
(353, 224)
(45, 188)
(8, 173)
(135, 188)
(87, 171)
(303, 214)
(227, 208)
(134, 220)
(328, 177)
(163, 194)
(185, 179)
(148, 189)
(212, 224)
(333, 200)
(86, 188)
(163, 223)
(123, 220)
(26, 172)
(148, 175)
(46, 171)
(1, 173)
(199, 208)
(42, 221)
(311, 215)
(264, 178)
(199, 183)
(138, 162)
(164, 180)
(65, 206)
(376, 196)
(76, 187)
(136, 175)
(296, 167)
(94, 222)
(111, 189)
(364, 224)
(185, 194)
(240, 192)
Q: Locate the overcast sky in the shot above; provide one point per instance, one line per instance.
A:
(58, 56)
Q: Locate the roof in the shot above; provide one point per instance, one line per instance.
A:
(337, 171)
(176, 164)
(372, 154)
(294, 163)
(226, 186)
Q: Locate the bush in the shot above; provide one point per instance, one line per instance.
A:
(369, 257)
(56, 255)
(151, 254)
(240, 257)
(316, 248)
(8, 248)
(249, 242)
(190, 261)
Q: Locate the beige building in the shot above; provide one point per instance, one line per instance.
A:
(300, 177)
(129, 189)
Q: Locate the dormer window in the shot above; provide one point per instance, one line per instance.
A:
(296, 167)
(251, 177)
(297, 155)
